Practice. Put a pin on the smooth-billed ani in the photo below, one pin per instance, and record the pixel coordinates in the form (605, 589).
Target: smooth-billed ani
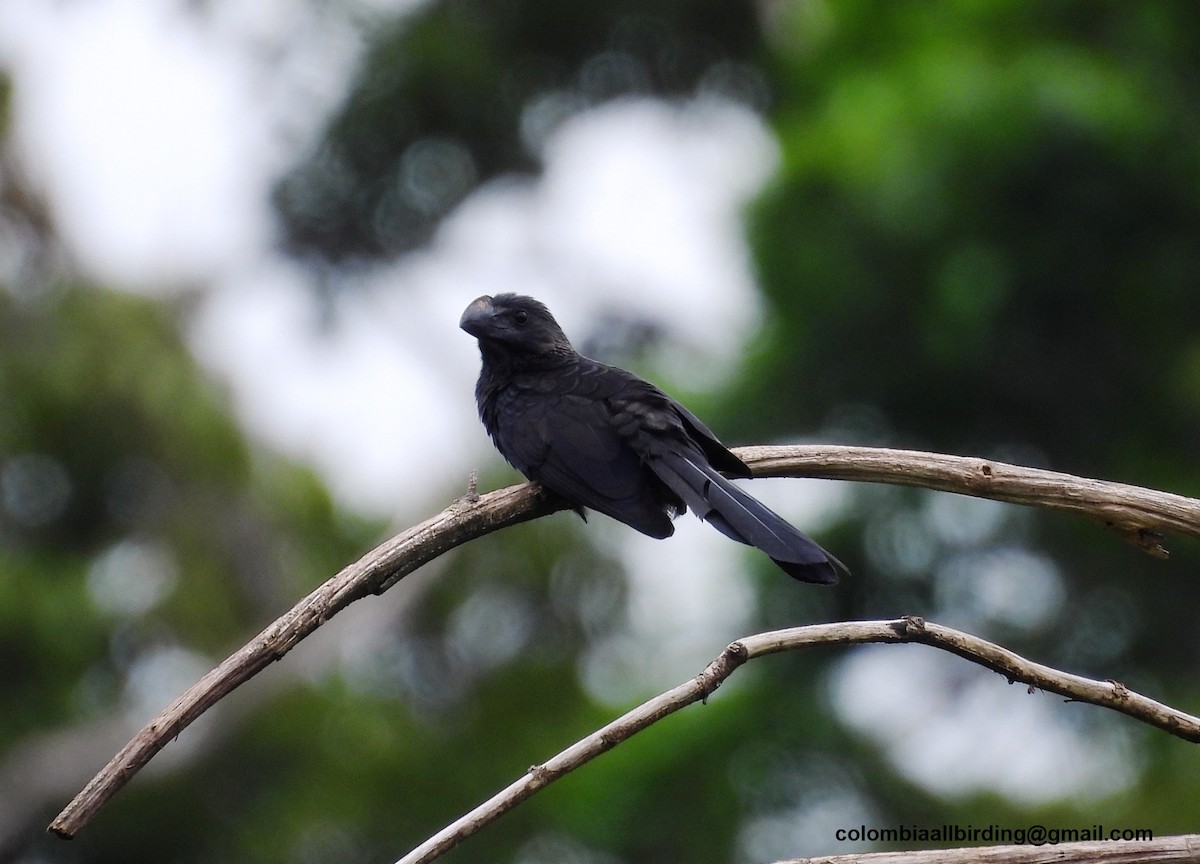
(601, 437)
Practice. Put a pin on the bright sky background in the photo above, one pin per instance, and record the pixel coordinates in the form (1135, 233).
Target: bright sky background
(155, 133)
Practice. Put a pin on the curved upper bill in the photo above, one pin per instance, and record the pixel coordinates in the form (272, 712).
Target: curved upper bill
(476, 315)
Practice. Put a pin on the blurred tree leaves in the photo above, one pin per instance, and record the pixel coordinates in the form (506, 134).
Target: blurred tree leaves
(464, 91)
(137, 527)
(993, 206)
(982, 241)
(987, 241)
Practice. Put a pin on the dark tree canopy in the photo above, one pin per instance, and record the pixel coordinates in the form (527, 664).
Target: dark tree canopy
(465, 91)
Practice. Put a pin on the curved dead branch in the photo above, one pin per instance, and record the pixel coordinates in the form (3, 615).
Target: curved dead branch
(1108, 694)
(1138, 514)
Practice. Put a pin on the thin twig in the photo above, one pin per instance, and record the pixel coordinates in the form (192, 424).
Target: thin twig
(1161, 850)
(1108, 694)
(1136, 512)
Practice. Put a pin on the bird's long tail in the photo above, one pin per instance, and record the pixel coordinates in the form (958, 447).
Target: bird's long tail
(740, 517)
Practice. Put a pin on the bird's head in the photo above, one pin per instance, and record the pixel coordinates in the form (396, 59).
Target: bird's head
(515, 325)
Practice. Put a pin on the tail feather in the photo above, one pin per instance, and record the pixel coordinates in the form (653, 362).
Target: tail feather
(745, 519)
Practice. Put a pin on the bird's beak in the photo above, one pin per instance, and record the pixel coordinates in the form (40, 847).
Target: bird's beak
(475, 317)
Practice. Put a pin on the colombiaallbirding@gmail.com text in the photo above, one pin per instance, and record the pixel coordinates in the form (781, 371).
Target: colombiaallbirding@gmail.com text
(1032, 835)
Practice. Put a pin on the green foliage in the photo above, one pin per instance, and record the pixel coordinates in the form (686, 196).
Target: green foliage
(136, 520)
(982, 242)
(449, 98)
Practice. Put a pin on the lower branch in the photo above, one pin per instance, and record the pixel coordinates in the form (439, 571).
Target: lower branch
(1182, 848)
(1108, 694)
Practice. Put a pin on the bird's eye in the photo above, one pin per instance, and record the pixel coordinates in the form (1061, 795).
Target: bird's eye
(521, 317)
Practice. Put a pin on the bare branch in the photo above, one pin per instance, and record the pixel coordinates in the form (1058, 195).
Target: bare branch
(1137, 513)
(1108, 694)
(1014, 667)
(1140, 515)
(1160, 850)
(374, 573)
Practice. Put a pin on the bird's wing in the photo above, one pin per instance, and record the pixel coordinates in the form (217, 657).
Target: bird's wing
(717, 453)
(561, 432)
(685, 456)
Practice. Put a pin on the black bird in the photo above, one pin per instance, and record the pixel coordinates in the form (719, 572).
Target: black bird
(601, 437)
